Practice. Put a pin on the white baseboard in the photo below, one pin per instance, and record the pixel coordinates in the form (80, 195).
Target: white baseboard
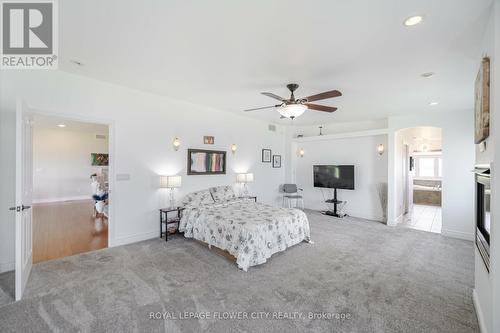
(134, 238)
(479, 312)
(74, 198)
(369, 217)
(457, 234)
(362, 214)
(7, 266)
(359, 215)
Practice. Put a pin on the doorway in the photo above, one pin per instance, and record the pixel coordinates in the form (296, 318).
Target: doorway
(420, 192)
(70, 207)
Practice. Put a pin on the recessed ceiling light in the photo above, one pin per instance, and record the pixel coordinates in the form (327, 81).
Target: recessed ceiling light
(427, 74)
(76, 62)
(413, 20)
(61, 125)
(433, 103)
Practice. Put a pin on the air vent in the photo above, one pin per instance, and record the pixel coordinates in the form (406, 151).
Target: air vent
(100, 137)
(272, 127)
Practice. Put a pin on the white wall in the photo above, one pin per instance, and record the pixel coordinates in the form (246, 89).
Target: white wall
(487, 285)
(337, 128)
(7, 182)
(142, 128)
(458, 161)
(62, 164)
(370, 169)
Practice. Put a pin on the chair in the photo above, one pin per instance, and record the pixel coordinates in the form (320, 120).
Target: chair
(290, 192)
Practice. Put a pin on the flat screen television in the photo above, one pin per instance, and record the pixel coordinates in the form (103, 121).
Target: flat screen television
(334, 176)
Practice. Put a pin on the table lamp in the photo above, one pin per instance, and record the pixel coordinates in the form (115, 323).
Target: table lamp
(171, 182)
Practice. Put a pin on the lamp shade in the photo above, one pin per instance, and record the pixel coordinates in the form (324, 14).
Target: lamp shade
(240, 178)
(292, 110)
(244, 178)
(170, 181)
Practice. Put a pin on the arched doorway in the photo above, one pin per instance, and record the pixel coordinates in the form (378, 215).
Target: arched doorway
(418, 178)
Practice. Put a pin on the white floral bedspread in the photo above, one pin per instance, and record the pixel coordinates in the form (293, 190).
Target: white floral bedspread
(248, 230)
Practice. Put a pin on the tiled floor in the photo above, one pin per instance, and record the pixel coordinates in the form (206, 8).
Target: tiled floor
(426, 218)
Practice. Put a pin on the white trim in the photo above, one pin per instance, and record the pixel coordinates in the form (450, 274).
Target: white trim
(457, 234)
(75, 198)
(134, 238)
(479, 312)
(367, 215)
(111, 182)
(7, 266)
(382, 131)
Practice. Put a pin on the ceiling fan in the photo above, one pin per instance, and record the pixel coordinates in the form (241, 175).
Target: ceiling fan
(294, 107)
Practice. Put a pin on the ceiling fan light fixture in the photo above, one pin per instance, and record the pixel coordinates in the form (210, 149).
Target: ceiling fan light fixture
(292, 110)
(294, 107)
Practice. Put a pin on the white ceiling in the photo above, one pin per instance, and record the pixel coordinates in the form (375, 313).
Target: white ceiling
(431, 137)
(50, 122)
(223, 53)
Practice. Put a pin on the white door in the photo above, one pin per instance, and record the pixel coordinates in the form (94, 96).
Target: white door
(24, 187)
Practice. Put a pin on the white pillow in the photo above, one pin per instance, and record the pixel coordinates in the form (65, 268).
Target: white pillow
(222, 193)
(198, 198)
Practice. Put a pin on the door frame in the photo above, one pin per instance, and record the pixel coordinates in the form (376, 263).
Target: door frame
(406, 179)
(392, 196)
(111, 151)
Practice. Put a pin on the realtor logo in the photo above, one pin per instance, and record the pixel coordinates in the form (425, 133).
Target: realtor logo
(29, 34)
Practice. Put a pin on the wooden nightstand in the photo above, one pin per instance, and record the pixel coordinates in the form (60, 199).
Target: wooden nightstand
(169, 221)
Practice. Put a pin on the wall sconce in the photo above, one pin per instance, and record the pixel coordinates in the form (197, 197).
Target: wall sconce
(301, 152)
(380, 149)
(176, 143)
(234, 148)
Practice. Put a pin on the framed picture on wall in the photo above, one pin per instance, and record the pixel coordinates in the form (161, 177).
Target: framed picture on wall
(276, 161)
(206, 162)
(482, 102)
(98, 159)
(266, 155)
(208, 140)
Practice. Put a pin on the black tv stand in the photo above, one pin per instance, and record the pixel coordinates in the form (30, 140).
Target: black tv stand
(335, 202)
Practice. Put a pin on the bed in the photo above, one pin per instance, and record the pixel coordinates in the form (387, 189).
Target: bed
(249, 231)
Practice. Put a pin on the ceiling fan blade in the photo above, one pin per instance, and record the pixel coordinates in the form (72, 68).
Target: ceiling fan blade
(318, 107)
(268, 94)
(264, 107)
(324, 95)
